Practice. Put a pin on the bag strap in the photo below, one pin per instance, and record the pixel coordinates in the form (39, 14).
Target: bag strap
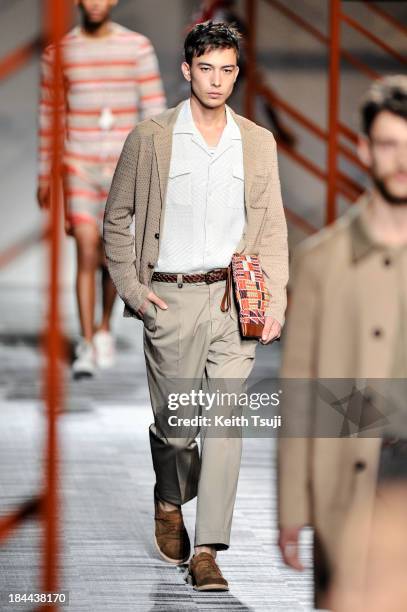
(225, 304)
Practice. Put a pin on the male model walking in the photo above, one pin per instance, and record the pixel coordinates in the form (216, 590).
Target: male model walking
(111, 81)
(348, 320)
(202, 183)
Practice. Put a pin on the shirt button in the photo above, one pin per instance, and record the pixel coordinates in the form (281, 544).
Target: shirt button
(377, 332)
(151, 266)
(387, 261)
(156, 235)
(360, 466)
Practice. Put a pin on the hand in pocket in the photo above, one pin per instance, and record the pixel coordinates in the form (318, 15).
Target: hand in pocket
(154, 299)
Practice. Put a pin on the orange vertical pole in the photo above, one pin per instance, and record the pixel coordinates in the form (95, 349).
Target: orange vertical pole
(333, 111)
(250, 45)
(55, 13)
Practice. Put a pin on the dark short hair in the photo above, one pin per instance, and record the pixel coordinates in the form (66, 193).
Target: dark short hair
(386, 94)
(207, 36)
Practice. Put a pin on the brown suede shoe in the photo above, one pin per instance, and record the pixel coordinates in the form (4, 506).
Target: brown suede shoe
(171, 537)
(205, 575)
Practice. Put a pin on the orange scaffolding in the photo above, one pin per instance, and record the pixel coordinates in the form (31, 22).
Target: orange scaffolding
(45, 504)
(337, 182)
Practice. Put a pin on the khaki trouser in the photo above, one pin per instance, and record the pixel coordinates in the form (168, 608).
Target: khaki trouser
(195, 341)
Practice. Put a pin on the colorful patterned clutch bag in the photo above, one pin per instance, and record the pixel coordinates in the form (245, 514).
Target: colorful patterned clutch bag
(251, 293)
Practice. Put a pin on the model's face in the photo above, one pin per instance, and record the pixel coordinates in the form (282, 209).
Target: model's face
(212, 76)
(96, 11)
(385, 154)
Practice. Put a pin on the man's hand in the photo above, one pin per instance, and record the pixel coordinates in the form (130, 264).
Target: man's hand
(151, 297)
(43, 194)
(271, 330)
(288, 544)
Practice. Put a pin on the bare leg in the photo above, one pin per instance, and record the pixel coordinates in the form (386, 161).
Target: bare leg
(87, 242)
(108, 292)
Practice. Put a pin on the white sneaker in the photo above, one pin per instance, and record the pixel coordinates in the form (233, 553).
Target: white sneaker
(85, 362)
(105, 349)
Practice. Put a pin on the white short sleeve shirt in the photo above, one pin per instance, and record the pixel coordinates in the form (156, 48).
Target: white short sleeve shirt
(204, 208)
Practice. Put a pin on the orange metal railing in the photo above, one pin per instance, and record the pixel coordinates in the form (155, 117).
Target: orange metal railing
(333, 109)
(21, 245)
(19, 57)
(53, 386)
(45, 505)
(337, 182)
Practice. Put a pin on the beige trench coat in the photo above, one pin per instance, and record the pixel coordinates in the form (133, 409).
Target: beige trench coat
(342, 323)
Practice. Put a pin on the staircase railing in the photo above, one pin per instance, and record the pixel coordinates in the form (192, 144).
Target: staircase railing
(337, 181)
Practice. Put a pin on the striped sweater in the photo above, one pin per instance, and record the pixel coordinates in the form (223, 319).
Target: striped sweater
(109, 85)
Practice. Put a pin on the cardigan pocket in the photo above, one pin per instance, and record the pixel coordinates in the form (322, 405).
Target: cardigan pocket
(179, 189)
(150, 316)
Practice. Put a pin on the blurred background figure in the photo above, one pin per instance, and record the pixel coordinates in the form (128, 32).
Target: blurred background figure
(227, 11)
(372, 561)
(111, 81)
(348, 320)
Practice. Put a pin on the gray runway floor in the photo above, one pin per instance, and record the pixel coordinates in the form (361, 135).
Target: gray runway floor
(108, 560)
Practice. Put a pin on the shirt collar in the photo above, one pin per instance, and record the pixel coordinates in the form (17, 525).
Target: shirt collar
(185, 123)
(362, 241)
(232, 127)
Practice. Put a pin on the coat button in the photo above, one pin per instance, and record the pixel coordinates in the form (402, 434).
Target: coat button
(156, 235)
(151, 266)
(377, 332)
(387, 261)
(360, 466)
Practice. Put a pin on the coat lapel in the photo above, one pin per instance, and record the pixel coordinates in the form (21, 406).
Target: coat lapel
(250, 152)
(163, 146)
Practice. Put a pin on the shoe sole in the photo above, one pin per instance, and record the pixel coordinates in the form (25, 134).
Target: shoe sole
(168, 559)
(207, 587)
(79, 375)
(211, 587)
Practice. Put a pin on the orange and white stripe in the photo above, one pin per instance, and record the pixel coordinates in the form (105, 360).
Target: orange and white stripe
(119, 73)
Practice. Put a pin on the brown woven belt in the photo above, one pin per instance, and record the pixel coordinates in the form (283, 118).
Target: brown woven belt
(213, 276)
